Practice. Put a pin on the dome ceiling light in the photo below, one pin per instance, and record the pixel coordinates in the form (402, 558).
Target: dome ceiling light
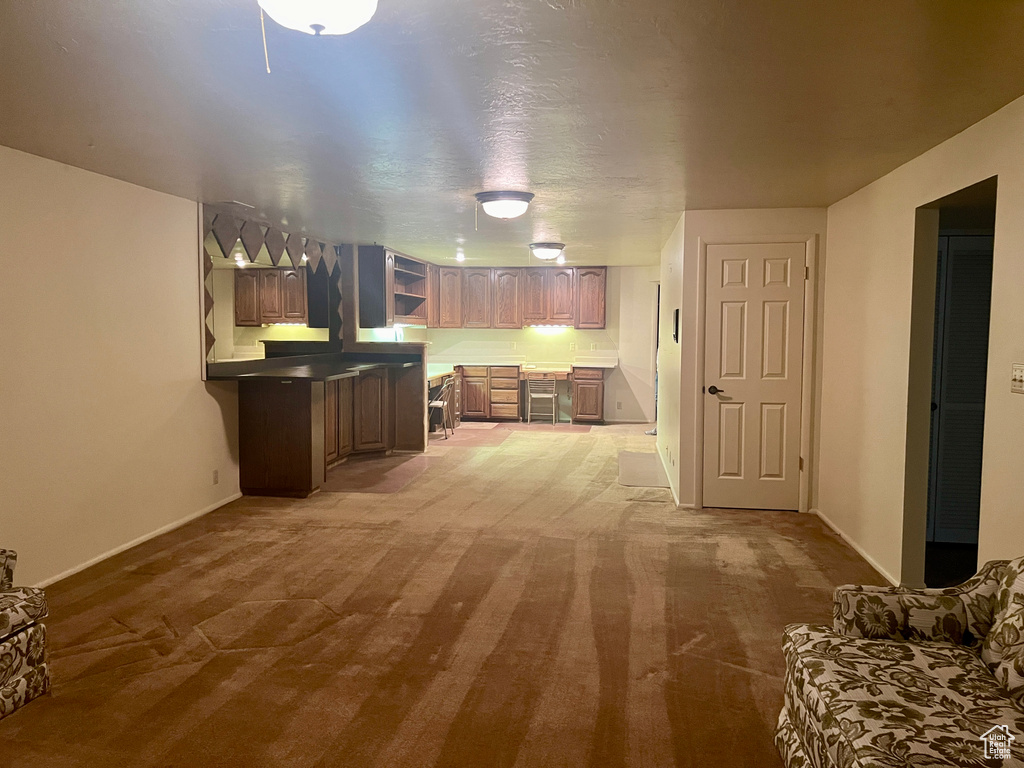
(320, 17)
(504, 205)
(548, 251)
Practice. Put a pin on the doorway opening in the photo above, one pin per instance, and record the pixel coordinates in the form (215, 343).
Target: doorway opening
(962, 308)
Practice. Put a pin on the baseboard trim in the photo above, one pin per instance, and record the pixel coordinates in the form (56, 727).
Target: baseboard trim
(627, 421)
(668, 474)
(140, 540)
(857, 547)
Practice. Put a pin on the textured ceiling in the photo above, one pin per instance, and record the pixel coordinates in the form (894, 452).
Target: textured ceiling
(617, 114)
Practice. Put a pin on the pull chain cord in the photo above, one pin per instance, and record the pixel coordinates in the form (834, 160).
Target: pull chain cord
(263, 26)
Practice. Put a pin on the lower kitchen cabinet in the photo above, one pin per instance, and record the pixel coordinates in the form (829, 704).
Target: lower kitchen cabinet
(338, 417)
(370, 404)
(475, 393)
(588, 394)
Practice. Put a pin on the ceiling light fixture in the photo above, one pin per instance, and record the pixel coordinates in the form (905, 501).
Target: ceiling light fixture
(320, 17)
(504, 205)
(459, 255)
(560, 259)
(548, 251)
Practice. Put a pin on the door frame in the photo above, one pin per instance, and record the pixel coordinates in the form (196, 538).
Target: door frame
(810, 243)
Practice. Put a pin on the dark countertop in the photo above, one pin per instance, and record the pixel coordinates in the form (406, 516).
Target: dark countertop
(328, 368)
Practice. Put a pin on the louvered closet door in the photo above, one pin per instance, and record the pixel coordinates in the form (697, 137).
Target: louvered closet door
(966, 298)
(753, 349)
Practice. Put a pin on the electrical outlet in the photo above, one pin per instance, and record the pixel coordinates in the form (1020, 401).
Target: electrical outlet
(593, 347)
(1017, 382)
(572, 346)
(512, 345)
(216, 476)
(618, 405)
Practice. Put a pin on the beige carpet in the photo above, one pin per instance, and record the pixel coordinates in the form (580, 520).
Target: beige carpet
(642, 470)
(511, 605)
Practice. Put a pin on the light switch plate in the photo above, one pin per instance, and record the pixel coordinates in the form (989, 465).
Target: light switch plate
(1017, 383)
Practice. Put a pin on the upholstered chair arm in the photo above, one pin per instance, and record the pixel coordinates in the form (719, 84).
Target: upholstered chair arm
(8, 557)
(961, 614)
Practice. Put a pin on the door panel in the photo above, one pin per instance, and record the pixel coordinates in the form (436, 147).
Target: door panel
(961, 368)
(293, 294)
(507, 305)
(270, 295)
(476, 398)
(371, 410)
(535, 295)
(476, 298)
(450, 311)
(562, 295)
(753, 353)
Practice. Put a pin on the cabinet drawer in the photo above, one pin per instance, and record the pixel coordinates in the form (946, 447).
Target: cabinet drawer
(503, 411)
(596, 374)
(505, 384)
(474, 372)
(504, 395)
(505, 372)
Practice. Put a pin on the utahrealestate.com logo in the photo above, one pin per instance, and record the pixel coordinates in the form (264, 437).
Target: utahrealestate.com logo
(997, 743)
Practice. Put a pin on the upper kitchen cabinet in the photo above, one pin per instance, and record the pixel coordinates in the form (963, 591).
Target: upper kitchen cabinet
(267, 296)
(450, 298)
(562, 296)
(507, 304)
(535, 295)
(433, 296)
(392, 288)
(476, 298)
(591, 289)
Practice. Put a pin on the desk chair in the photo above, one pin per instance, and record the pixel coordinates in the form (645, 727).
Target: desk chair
(443, 403)
(541, 387)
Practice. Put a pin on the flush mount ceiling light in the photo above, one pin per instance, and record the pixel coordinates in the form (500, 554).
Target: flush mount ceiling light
(504, 205)
(547, 251)
(320, 17)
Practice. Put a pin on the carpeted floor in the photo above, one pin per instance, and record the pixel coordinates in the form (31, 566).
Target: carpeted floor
(510, 605)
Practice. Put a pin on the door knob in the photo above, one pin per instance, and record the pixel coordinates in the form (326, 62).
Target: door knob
(713, 390)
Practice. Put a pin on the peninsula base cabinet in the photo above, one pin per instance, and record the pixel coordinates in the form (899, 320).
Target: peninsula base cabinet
(339, 434)
(588, 394)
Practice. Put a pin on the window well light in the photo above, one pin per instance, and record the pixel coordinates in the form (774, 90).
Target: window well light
(320, 17)
(504, 205)
(548, 251)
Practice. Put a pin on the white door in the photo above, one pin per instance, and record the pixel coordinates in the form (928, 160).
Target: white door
(752, 375)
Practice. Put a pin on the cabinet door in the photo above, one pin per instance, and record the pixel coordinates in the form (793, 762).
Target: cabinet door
(590, 297)
(507, 304)
(456, 400)
(271, 304)
(475, 399)
(330, 422)
(293, 294)
(476, 297)
(561, 295)
(247, 297)
(370, 404)
(389, 289)
(450, 312)
(535, 295)
(433, 296)
(588, 401)
(346, 433)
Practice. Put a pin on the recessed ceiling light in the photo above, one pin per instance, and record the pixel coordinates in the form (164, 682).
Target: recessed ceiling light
(547, 251)
(504, 205)
(320, 17)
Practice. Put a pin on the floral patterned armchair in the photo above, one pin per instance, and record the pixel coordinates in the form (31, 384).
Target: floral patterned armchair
(24, 674)
(908, 677)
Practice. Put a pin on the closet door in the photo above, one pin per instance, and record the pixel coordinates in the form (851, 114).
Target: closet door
(961, 367)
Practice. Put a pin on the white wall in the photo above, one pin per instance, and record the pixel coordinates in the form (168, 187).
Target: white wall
(108, 433)
(629, 335)
(867, 344)
(680, 429)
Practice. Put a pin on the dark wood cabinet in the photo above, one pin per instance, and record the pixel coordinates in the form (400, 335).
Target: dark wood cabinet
(338, 417)
(507, 303)
(433, 296)
(591, 289)
(392, 288)
(371, 409)
(450, 299)
(562, 296)
(535, 295)
(588, 394)
(265, 296)
(475, 393)
(476, 298)
(503, 387)
(456, 399)
(247, 298)
(271, 299)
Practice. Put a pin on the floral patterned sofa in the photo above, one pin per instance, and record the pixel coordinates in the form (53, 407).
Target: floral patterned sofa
(24, 674)
(908, 677)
